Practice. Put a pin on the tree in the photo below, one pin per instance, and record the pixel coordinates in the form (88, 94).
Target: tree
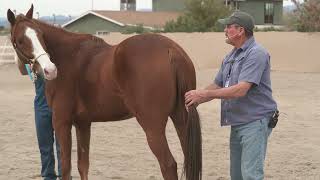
(199, 16)
(307, 15)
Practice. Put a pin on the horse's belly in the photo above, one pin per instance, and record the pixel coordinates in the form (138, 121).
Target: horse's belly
(102, 109)
(105, 114)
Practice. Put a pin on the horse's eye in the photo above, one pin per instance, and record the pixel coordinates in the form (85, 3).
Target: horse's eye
(20, 41)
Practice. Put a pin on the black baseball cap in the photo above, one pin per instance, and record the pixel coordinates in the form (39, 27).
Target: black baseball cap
(243, 19)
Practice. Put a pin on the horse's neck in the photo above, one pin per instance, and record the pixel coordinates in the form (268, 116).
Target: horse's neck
(56, 39)
(61, 43)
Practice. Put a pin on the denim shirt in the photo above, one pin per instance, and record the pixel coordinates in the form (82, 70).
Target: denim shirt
(40, 101)
(249, 63)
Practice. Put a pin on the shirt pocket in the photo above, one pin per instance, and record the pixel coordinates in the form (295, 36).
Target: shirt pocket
(225, 72)
(236, 69)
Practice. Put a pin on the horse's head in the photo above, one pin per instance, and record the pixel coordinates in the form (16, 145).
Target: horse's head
(29, 44)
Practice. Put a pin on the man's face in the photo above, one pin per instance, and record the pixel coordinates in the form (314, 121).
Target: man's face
(233, 33)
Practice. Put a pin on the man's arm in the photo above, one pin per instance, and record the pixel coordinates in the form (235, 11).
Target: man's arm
(199, 96)
(212, 86)
(235, 91)
(216, 92)
(22, 68)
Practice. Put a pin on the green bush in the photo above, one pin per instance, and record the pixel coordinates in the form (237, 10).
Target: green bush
(290, 21)
(199, 16)
(139, 29)
(306, 18)
(271, 28)
(4, 31)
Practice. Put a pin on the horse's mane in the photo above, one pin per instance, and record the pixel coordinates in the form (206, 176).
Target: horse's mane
(94, 41)
(88, 38)
(21, 17)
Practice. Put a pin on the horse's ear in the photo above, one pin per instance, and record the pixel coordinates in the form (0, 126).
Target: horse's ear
(30, 12)
(11, 17)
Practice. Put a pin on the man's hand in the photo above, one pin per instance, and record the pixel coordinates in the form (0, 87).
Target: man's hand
(196, 97)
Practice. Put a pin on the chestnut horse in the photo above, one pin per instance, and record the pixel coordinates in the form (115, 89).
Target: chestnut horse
(88, 80)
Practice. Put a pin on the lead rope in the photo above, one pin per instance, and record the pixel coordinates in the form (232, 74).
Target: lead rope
(33, 76)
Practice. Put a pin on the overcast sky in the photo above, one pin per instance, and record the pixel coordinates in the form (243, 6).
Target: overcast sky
(59, 7)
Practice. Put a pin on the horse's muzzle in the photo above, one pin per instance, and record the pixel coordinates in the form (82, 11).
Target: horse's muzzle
(50, 73)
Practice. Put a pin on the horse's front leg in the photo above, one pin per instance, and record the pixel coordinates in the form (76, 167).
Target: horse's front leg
(83, 144)
(62, 124)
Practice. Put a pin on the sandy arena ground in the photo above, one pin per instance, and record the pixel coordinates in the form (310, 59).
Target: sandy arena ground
(119, 150)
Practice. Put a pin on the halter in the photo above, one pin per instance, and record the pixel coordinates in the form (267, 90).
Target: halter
(30, 61)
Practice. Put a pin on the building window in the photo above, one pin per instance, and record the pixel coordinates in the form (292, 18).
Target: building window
(128, 5)
(102, 33)
(234, 4)
(268, 13)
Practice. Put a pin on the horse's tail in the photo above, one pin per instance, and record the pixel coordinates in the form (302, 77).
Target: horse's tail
(186, 80)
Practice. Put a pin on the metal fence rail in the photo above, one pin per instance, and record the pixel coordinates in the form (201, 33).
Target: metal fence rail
(7, 53)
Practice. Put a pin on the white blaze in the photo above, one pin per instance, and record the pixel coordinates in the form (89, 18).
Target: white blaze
(48, 68)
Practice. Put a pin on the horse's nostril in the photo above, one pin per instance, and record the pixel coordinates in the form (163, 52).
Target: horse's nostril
(46, 72)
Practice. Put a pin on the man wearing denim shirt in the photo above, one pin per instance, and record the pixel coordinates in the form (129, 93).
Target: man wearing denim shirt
(244, 86)
(44, 127)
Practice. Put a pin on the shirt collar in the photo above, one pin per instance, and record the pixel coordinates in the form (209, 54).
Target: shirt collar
(235, 52)
(247, 43)
(244, 47)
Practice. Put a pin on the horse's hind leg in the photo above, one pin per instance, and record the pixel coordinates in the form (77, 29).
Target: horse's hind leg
(83, 144)
(180, 126)
(155, 132)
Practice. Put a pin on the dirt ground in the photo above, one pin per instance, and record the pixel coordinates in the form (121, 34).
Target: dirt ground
(119, 150)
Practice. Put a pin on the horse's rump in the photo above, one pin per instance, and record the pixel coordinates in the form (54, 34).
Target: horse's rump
(145, 65)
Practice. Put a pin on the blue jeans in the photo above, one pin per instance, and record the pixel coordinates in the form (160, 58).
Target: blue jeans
(248, 145)
(45, 134)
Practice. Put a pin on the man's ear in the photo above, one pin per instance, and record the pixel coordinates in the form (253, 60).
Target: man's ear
(11, 17)
(242, 31)
(30, 12)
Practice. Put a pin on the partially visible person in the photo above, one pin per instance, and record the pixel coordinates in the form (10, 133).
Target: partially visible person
(44, 127)
(244, 86)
